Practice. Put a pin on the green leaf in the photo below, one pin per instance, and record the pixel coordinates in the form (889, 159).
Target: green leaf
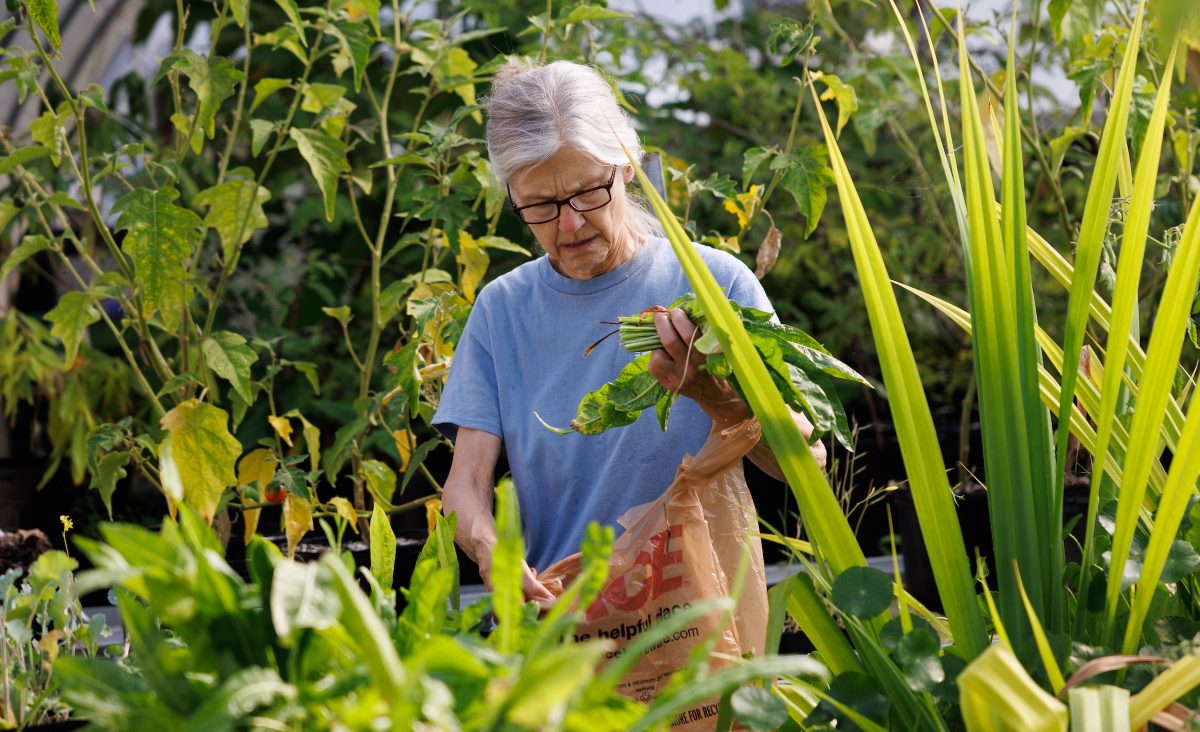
(302, 596)
(1058, 11)
(30, 245)
(265, 87)
(356, 41)
(620, 401)
(233, 704)
(260, 132)
(107, 472)
(198, 455)
(997, 693)
(45, 14)
(72, 315)
(317, 97)
(383, 547)
(917, 656)
(367, 631)
(757, 708)
(230, 358)
(584, 13)
(751, 160)
(339, 451)
(326, 158)
(159, 241)
(806, 176)
(407, 376)
(47, 131)
(341, 314)
(235, 210)
(381, 480)
(239, 8)
(8, 212)
(507, 556)
(20, 156)
(862, 592)
(213, 79)
(293, 14)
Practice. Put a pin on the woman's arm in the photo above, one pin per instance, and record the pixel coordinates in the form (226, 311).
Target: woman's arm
(676, 366)
(468, 492)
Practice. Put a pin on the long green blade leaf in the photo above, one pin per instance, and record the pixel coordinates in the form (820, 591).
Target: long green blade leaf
(1162, 356)
(1093, 228)
(1125, 294)
(914, 424)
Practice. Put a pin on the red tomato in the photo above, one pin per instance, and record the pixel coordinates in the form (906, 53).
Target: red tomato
(276, 494)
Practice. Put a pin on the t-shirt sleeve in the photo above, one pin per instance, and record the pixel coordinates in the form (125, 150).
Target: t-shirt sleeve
(471, 395)
(743, 287)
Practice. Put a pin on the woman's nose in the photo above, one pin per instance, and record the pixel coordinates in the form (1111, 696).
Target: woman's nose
(569, 219)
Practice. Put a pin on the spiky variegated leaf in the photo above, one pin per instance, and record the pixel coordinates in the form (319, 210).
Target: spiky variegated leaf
(235, 210)
(198, 455)
(230, 358)
(213, 79)
(159, 240)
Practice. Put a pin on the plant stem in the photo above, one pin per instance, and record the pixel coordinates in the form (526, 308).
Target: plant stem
(231, 265)
(241, 103)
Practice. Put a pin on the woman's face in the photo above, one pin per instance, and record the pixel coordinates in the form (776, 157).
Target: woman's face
(579, 245)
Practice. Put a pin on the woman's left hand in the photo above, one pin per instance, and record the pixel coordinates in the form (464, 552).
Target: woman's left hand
(677, 367)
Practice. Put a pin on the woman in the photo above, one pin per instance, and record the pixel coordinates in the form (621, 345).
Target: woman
(557, 137)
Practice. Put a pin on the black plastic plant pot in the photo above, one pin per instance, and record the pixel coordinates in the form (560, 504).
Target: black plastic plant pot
(18, 483)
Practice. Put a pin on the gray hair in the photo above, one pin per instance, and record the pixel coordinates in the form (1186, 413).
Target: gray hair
(536, 110)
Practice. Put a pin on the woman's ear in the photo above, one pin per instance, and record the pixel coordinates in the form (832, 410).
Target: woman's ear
(627, 174)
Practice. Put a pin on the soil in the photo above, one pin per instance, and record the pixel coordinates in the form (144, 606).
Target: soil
(19, 549)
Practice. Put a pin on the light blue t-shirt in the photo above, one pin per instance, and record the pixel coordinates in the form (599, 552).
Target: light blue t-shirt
(522, 351)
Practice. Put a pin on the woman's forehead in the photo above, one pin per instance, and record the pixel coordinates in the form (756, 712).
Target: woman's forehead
(564, 172)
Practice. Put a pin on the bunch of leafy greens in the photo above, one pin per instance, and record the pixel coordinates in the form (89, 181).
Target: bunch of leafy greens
(803, 370)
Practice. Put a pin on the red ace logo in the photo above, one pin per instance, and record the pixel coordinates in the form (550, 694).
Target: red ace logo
(624, 593)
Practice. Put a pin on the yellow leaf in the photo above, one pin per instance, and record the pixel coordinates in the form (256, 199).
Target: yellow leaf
(312, 438)
(283, 428)
(434, 371)
(743, 204)
(198, 455)
(49, 646)
(458, 63)
(297, 521)
(433, 509)
(404, 446)
(474, 261)
(345, 509)
(256, 465)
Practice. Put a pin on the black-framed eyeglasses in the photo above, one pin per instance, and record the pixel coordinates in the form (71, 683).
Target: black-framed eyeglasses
(588, 199)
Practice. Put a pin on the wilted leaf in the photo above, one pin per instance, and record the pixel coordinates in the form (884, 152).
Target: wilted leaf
(202, 454)
(312, 439)
(404, 446)
(743, 205)
(768, 252)
(326, 158)
(230, 358)
(159, 241)
(235, 210)
(72, 315)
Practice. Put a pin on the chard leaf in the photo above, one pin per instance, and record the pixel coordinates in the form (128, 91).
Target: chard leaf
(621, 401)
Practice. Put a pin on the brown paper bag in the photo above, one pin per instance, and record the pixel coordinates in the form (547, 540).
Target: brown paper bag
(683, 547)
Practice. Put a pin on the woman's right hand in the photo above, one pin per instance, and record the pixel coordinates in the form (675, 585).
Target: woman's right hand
(530, 585)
